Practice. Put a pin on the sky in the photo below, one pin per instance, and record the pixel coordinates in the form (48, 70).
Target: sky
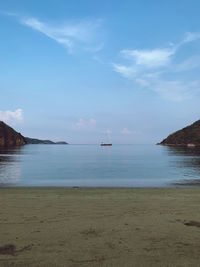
(78, 70)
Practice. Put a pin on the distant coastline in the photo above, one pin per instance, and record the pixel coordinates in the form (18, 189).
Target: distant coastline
(9, 138)
(45, 142)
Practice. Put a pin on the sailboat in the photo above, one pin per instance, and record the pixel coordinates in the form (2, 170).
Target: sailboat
(107, 143)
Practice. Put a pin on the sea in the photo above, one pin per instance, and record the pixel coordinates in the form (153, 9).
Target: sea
(97, 166)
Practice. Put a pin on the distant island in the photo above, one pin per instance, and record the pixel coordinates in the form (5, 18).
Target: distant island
(188, 136)
(9, 137)
(29, 140)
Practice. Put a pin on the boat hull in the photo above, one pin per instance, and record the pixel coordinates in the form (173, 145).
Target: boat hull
(106, 144)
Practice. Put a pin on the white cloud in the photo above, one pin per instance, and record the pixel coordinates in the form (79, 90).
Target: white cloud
(126, 71)
(155, 69)
(71, 34)
(149, 58)
(11, 116)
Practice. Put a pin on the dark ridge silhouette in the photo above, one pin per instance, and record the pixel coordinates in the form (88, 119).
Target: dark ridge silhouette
(188, 136)
(9, 138)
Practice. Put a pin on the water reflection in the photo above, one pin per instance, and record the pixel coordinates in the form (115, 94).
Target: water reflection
(10, 169)
(183, 151)
(188, 160)
(121, 165)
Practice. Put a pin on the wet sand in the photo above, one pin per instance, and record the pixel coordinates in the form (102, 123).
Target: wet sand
(99, 227)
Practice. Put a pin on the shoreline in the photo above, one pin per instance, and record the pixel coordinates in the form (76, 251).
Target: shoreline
(52, 226)
(184, 183)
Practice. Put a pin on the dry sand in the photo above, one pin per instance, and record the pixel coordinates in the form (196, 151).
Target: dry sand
(99, 227)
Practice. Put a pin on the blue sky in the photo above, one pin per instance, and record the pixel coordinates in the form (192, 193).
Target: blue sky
(74, 70)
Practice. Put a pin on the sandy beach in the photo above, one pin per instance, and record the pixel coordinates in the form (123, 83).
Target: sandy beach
(99, 227)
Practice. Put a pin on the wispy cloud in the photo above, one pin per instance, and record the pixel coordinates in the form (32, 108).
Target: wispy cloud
(108, 131)
(188, 64)
(9, 116)
(154, 69)
(190, 37)
(149, 58)
(82, 33)
(126, 131)
(8, 13)
(83, 124)
(85, 34)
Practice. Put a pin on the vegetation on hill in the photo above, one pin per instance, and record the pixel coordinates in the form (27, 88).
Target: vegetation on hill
(189, 135)
(46, 142)
(9, 137)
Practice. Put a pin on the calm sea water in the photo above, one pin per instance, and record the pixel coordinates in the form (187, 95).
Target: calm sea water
(93, 165)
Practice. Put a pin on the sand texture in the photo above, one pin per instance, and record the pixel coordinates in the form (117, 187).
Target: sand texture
(99, 227)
